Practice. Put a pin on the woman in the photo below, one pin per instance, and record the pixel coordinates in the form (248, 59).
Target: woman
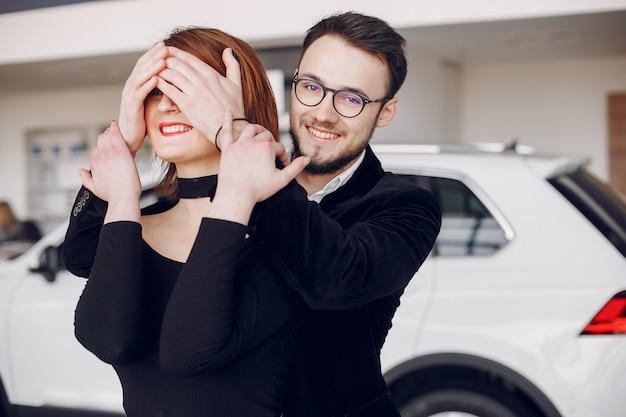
(12, 229)
(179, 300)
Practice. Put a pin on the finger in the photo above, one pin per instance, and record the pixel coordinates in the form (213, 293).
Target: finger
(233, 71)
(111, 140)
(157, 50)
(281, 154)
(101, 140)
(175, 85)
(187, 63)
(179, 74)
(116, 136)
(114, 128)
(86, 179)
(145, 89)
(293, 169)
(147, 66)
(257, 132)
(173, 92)
(183, 56)
(105, 138)
(155, 55)
(166, 86)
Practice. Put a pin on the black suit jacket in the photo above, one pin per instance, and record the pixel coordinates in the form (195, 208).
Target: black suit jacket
(350, 257)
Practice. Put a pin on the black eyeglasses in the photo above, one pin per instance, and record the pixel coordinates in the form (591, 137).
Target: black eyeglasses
(347, 103)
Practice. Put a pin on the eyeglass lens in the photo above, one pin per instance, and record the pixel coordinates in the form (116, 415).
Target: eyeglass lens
(347, 103)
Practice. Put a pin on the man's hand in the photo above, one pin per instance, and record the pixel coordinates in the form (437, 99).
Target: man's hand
(139, 84)
(199, 90)
(248, 172)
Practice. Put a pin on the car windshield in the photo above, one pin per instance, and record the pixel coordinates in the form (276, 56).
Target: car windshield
(598, 202)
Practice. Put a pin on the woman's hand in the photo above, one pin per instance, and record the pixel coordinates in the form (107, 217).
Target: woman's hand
(139, 84)
(113, 176)
(248, 173)
(199, 90)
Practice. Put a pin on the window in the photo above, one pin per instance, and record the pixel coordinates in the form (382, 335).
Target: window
(467, 226)
(598, 202)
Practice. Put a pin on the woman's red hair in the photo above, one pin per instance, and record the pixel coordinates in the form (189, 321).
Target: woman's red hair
(259, 103)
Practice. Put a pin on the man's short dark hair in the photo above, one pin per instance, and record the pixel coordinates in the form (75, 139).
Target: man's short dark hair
(369, 34)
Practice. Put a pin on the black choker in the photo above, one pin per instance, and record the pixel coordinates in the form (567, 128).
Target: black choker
(197, 187)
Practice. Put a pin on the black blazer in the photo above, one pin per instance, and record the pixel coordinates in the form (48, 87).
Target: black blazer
(349, 257)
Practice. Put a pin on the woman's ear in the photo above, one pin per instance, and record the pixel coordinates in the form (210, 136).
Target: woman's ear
(387, 112)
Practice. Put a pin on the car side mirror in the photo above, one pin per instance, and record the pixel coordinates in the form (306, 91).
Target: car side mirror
(50, 262)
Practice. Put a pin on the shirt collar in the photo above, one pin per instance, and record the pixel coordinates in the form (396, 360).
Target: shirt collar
(338, 181)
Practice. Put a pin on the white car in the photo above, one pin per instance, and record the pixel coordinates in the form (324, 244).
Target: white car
(521, 308)
(520, 311)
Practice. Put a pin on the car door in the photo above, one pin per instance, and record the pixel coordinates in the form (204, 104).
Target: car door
(48, 367)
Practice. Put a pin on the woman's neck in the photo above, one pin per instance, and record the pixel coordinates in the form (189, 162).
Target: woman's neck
(192, 208)
(199, 187)
(200, 167)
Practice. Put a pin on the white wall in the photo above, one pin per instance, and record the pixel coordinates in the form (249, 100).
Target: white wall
(554, 106)
(24, 112)
(421, 99)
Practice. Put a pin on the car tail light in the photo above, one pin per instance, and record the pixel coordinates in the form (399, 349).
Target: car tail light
(611, 319)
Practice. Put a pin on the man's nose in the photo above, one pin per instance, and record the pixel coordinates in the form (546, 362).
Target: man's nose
(325, 111)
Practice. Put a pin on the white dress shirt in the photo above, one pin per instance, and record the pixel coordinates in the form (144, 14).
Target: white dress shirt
(337, 182)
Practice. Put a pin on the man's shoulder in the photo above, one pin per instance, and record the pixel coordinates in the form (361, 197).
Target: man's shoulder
(400, 190)
(399, 183)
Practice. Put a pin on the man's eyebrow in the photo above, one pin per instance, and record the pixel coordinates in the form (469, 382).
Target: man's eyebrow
(344, 88)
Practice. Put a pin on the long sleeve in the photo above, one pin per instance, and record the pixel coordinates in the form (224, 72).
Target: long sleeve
(83, 232)
(110, 314)
(357, 246)
(225, 302)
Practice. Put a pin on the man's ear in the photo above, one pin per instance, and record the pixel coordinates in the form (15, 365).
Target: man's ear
(387, 113)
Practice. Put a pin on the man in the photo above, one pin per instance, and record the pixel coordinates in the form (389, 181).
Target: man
(346, 236)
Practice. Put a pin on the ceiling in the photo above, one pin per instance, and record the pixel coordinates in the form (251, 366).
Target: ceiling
(559, 37)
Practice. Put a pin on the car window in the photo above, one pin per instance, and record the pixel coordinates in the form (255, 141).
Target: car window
(598, 202)
(467, 226)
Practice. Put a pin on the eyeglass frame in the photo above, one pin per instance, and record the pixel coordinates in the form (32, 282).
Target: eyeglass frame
(295, 80)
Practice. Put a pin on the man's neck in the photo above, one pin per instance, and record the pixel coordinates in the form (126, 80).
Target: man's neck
(312, 183)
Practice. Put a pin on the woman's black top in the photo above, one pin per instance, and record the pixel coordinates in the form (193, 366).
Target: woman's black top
(210, 337)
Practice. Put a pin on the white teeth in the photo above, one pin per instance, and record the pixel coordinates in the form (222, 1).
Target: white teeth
(322, 135)
(175, 129)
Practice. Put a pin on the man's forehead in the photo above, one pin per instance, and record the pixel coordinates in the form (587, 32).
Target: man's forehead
(337, 64)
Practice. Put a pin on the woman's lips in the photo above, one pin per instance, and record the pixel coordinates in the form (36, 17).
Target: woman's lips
(170, 129)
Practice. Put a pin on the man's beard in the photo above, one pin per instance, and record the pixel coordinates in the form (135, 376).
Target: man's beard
(332, 166)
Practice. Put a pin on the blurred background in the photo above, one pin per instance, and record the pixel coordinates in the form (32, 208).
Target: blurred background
(548, 74)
